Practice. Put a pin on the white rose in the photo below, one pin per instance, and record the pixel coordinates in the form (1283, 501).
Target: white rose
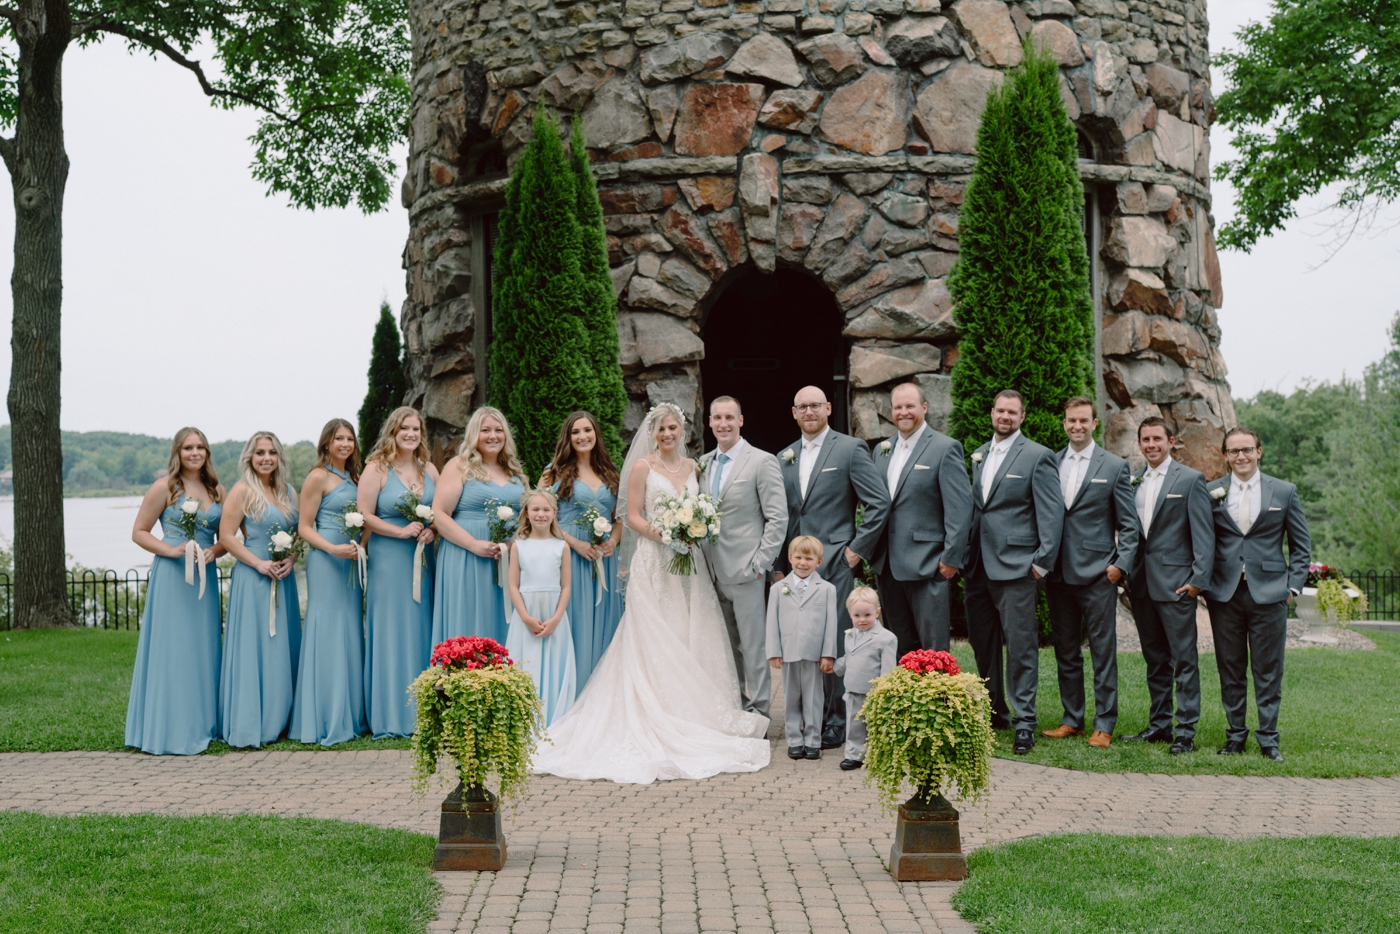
(353, 520)
(281, 541)
(505, 513)
(424, 512)
(189, 507)
(977, 457)
(666, 536)
(685, 515)
(787, 456)
(601, 526)
(1218, 493)
(697, 529)
(707, 508)
(884, 447)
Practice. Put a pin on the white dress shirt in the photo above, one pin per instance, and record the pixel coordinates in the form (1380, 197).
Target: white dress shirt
(995, 455)
(1147, 492)
(722, 470)
(808, 459)
(903, 450)
(1244, 501)
(1072, 470)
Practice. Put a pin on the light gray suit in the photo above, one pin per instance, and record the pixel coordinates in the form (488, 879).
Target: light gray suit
(1248, 601)
(755, 522)
(1018, 525)
(869, 655)
(929, 522)
(802, 631)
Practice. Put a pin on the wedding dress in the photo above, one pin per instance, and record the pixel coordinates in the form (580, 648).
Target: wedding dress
(664, 701)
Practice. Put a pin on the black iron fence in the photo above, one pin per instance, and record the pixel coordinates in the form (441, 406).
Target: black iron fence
(1382, 589)
(106, 599)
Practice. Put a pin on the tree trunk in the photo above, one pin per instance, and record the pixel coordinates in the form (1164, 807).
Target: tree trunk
(38, 167)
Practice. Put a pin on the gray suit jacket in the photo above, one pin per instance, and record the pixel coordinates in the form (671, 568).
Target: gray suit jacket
(842, 477)
(1259, 553)
(931, 510)
(1101, 523)
(802, 627)
(868, 656)
(1179, 548)
(1020, 523)
(754, 504)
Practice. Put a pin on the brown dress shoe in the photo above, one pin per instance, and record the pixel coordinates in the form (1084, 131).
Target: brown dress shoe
(1062, 731)
(1100, 739)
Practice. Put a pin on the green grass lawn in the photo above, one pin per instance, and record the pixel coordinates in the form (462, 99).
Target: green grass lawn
(211, 875)
(1183, 885)
(1340, 718)
(67, 689)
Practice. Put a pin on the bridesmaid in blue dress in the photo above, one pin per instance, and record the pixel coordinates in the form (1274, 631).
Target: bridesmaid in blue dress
(174, 705)
(261, 642)
(398, 628)
(330, 702)
(486, 472)
(582, 475)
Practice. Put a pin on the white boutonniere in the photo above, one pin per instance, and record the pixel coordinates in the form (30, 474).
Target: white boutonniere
(1134, 481)
(1220, 492)
(787, 456)
(977, 457)
(787, 591)
(851, 632)
(884, 448)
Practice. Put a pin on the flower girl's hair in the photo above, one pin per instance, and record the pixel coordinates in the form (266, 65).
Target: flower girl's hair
(254, 501)
(323, 448)
(207, 475)
(473, 467)
(523, 529)
(386, 449)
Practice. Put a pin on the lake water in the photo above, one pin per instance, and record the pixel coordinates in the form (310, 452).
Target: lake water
(97, 531)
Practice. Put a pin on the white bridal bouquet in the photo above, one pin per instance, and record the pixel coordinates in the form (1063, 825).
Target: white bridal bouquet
(190, 522)
(352, 526)
(596, 528)
(685, 522)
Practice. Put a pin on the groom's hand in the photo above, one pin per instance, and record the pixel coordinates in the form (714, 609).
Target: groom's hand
(852, 558)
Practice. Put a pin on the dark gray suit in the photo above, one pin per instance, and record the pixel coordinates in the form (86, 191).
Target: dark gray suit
(1248, 601)
(1177, 549)
(1016, 526)
(1101, 529)
(929, 522)
(842, 478)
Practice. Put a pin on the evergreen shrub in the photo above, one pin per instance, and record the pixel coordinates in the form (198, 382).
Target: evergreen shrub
(387, 383)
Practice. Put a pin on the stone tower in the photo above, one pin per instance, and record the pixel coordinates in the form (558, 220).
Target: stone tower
(781, 182)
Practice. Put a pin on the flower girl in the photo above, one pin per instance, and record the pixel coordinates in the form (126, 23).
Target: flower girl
(538, 636)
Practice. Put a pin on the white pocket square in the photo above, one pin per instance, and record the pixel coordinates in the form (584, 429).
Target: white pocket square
(1275, 509)
(829, 469)
(1173, 496)
(921, 467)
(1014, 476)
(1098, 481)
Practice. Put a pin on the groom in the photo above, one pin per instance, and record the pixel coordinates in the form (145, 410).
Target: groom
(749, 486)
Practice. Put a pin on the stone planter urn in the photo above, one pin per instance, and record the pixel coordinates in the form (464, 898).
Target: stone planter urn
(469, 835)
(927, 846)
(1318, 625)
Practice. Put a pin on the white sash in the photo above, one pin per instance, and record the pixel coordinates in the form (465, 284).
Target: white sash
(194, 558)
(418, 573)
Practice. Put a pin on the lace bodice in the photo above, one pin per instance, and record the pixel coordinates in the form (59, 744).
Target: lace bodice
(659, 487)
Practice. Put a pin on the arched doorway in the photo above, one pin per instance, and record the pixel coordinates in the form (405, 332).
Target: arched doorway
(767, 336)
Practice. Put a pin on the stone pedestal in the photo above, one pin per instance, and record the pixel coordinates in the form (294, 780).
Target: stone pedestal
(927, 847)
(469, 836)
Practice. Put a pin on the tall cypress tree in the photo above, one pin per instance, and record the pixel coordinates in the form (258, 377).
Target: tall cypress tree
(539, 365)
(387, 383)
(1021, 283)
(599, 304)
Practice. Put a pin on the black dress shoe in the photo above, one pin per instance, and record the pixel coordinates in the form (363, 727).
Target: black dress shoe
(796, 752)
(1000, 723)
(850, 765)
(833, 740)
(1271, 752)
(813, 752)
(1151, 736)
(1181, 746)
(1232, 747)
(1025, 742)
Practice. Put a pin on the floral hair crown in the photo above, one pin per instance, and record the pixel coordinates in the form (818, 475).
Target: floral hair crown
(670, 407)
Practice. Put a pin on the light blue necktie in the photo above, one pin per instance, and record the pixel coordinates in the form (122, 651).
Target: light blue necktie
(720, 461)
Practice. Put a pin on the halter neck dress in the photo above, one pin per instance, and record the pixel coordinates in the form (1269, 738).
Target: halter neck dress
(594, 620)
(470, 601)
(548, 659)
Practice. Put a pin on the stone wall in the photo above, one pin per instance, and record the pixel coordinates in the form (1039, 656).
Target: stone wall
(833, 136)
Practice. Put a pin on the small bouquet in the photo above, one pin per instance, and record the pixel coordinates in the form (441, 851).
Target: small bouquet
(352, 526)
(281, 545)
(683, 523)
(597, 529)
(502, 522)
(411, 506)
(190, 522)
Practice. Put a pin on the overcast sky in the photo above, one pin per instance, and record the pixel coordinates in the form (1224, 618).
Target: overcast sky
(191, 297)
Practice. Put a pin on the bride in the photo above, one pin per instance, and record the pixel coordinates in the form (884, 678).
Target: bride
(663, 702)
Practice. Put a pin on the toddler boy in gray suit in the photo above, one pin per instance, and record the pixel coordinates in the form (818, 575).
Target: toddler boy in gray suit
(870, 653)
(802, 642)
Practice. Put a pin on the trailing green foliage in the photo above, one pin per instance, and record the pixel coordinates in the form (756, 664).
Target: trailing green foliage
(1021, 283)
(1335, 597)
(930, 729)
(387, 383)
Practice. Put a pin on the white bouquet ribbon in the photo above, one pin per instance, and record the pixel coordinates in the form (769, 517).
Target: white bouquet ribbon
(418, 573)
(272, 610)
(602, 580)
(361, 562)
(194, 558)
(503, 571)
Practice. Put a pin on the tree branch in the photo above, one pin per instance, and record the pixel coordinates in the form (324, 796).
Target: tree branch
(7, 152)
(10, 13)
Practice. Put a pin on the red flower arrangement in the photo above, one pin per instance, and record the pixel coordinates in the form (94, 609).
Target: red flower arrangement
(925, 661)
(470, 653)
(1322, 572)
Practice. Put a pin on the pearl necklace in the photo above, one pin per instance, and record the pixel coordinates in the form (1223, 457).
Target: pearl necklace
(663, 466)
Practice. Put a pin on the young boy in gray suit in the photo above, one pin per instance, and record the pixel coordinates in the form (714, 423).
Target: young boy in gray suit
(870, 653)
(802, 642)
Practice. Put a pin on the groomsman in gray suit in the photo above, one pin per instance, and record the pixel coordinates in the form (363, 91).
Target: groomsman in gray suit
(1018, 514)
(1251, 587)
(827, 474)
(1097, 550)
(1174, 565)
(749, 486)
(925, 540)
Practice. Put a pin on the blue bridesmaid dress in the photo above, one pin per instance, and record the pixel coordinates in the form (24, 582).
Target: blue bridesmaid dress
(548, 659)
(174, 706)
(330, 704)
(398, 631)
(470, 602)
(259, 673)
(594, 621)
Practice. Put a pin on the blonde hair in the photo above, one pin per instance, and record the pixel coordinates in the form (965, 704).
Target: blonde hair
(255, 501)
(863, 595)
(386, 448)
(175, 486)
(323, 448)
(473, 467)
(524, 529)
(806, 545)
